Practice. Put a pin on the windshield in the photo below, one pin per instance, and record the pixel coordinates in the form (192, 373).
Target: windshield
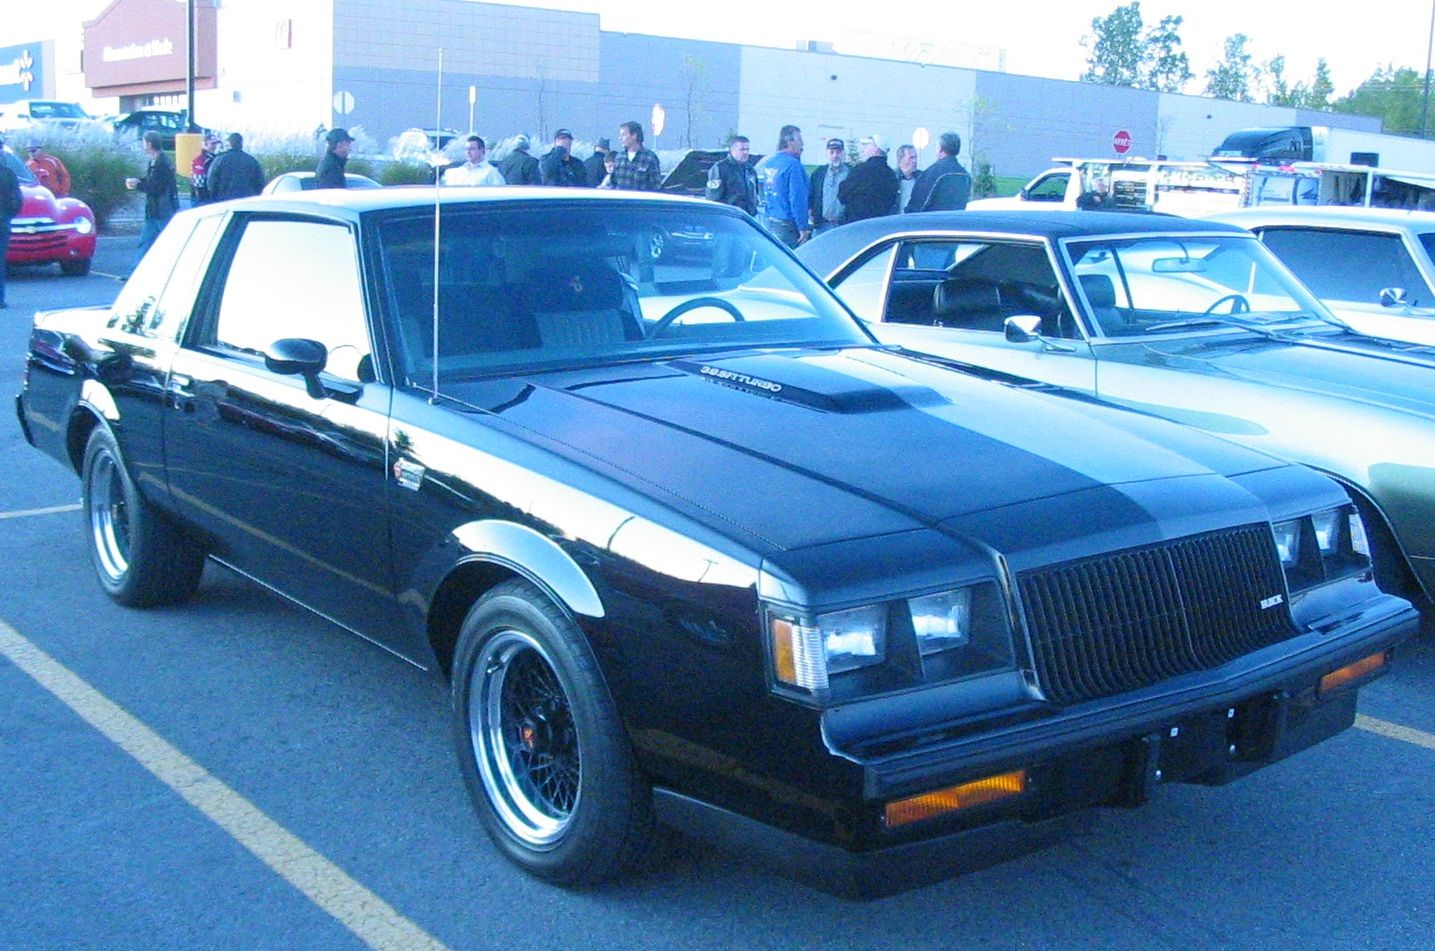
(56, 110)
(557, 284)
(1170, 283)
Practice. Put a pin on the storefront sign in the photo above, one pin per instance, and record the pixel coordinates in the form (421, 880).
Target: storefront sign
(21, 72)
(139, 46)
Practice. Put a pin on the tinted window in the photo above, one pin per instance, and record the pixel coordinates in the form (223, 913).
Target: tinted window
(177, 300)
(136, 307)
(1347, 265)
(1049, 188)
(295, 279)
(567, 283)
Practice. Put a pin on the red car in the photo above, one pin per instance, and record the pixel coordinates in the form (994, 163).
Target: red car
(50, 229)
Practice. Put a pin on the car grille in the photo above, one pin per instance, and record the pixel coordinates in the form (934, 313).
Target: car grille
(1123, 621)
(45, 241)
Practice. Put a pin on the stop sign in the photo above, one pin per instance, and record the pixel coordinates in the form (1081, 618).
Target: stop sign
(1121, 142)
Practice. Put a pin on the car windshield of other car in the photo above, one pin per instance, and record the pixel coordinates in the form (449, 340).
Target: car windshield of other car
(21, 170)
(56, 110)
(563, 284)
(1168, 283)
(1349, 265)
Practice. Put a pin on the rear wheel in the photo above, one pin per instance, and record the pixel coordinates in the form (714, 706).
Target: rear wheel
(543, 751)
(141, 558)
(75, 268)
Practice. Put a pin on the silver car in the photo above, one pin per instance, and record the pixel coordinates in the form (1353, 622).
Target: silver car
(1191, 320)
(1371, 266)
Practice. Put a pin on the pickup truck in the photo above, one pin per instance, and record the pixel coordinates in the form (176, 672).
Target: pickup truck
(1181, 188)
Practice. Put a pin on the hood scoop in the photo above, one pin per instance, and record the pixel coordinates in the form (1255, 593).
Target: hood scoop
(811, 384)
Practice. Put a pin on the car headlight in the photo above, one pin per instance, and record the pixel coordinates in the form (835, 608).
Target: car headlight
(84, 225)
(1321, 547)
(872, 649)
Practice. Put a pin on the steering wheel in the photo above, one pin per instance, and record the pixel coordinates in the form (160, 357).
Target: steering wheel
(1239, 305)
(667, 319)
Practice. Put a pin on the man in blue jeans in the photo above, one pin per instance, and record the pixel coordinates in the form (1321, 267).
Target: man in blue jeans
(785, 190)
(161, 194)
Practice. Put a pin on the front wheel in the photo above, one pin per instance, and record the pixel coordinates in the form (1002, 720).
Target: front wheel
(141, 558)
(543, 752)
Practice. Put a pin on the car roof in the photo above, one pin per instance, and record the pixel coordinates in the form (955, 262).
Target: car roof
(353, 202)
(829, 250)
(1334, 215)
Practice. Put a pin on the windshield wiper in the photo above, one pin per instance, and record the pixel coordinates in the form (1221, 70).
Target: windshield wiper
(1212, 320)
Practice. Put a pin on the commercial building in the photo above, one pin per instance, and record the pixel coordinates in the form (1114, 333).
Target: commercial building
(279, 70)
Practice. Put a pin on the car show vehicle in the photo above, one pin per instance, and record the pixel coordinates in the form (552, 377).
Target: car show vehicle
(1191, 320)
(44, 117)
(286, 182)
(689, 546)
(131, 126)
(1371, 266)
(1127, 184)
(49, 230)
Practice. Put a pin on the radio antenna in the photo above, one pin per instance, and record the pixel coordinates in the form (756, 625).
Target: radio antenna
(437, 125)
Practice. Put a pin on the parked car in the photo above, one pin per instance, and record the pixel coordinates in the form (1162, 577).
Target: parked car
(1371, 266)
(44, 117)
(304, 181)
(1191, 320)
(167, 122)
(49, 230)
(691, 548)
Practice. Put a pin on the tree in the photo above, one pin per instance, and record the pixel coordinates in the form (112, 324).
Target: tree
(1164, 66)
(693, 75)
(1124, 53)
(1392, 94)
(1115, 45)
(1233, 77)
(1279, 91)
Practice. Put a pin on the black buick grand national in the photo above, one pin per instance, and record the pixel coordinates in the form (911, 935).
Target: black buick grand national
(690, 547)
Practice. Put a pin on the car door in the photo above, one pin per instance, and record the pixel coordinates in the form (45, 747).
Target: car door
(950, 296)
(287, 475)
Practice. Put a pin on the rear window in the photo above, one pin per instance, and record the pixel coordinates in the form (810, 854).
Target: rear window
(1348, 265)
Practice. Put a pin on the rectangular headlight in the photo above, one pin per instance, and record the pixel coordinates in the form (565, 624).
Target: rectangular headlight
(942, 621)
(1327, 530)
(1288, 542)
(807, 655)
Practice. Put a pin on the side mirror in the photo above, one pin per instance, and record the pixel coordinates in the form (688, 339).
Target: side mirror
(297, 356)
(1023, 328)
(1392, 297)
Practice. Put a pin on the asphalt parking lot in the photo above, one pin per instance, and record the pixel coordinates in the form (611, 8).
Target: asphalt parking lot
(237, 773)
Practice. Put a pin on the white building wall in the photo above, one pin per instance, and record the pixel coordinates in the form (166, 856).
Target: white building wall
(1189, 127)
(276, 70)
(849, 97)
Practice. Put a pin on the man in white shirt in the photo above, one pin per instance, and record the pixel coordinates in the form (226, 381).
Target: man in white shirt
(475, 171)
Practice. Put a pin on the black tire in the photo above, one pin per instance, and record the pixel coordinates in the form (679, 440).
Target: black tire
(141, 558)
(543, 752)
(75, 268)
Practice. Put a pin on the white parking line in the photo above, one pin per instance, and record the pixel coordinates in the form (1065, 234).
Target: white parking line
(1395, 731)
(371, 919)
(52, 510)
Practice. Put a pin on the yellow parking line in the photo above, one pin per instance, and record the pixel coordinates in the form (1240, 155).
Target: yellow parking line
(1395, 731)
(52, 510)
(365, 914)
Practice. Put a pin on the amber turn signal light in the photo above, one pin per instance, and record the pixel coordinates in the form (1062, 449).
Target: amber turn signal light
(978, 792)
(1343, 676)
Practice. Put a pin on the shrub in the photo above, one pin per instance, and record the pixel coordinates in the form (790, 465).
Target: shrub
(403, 173)
(98, 170)
(985, 184)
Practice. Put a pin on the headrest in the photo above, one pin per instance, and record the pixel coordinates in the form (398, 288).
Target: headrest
(565, 285)
(1099, 290)
(965, 295)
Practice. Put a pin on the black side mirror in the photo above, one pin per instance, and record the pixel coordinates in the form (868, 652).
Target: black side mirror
(297, 356)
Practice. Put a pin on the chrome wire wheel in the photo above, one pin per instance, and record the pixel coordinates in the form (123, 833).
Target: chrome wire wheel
(109, 517)
(524, 739)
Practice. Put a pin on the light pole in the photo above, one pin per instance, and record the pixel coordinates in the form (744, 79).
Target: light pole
(1425, 99)
(189, 64)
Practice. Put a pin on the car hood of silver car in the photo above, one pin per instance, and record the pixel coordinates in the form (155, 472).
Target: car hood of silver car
(780, 435)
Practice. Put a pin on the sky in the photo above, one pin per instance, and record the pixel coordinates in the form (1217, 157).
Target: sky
(1044, 38)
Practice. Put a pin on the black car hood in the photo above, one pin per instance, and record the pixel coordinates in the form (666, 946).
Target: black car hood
(803, 448)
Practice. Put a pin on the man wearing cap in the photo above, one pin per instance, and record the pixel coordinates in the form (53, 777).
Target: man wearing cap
(476, 170)
(330, 172)
(871, 189)
(518, 167)
(784, 189)
(825, 209)
(593, 164)
(732, 180)
(235, 173)
(199, 170)
(48, 169)
(559, 167)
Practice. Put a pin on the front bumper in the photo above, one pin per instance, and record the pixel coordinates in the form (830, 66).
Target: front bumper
(1207, 730)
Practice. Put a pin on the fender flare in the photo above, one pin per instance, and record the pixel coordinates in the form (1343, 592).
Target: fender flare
(533, 555)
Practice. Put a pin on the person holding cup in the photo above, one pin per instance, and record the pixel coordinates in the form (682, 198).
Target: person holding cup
(160, 190)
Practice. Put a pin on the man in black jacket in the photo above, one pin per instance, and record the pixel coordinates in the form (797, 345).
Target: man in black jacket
(871, 190)
(593, 164)
(330, 173)
(732, 179)
(161, 193)
(11, 201)
(559, 167)
(235, 173)
(518, 167)
(944, 185)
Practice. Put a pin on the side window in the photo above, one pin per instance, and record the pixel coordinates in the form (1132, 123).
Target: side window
(865, 289)
(1348, 265)
(296, 279)
(136, 308)
(1049, 188)
(177, 301)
